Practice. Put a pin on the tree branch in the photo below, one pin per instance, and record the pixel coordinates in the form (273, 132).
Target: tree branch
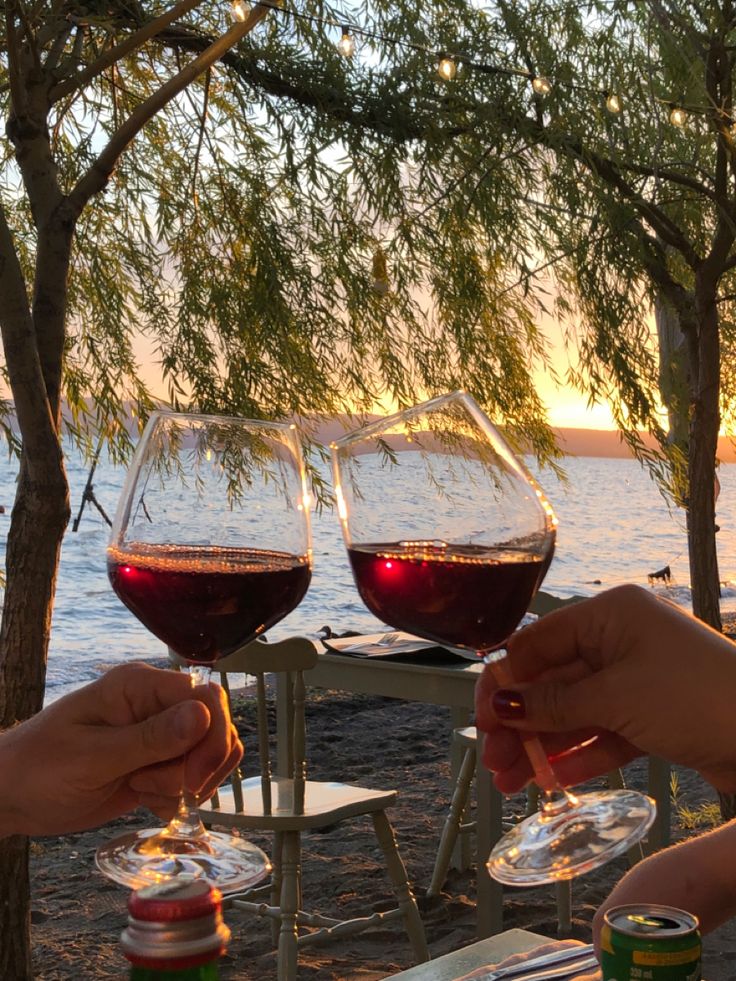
(126, 47)
(29, 33)
(21, 356)
(398, 123)
(99, 173)
(57, 48)
(608, 171)
(15, 74)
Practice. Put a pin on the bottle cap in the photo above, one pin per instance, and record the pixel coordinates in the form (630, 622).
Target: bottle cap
(175, 899)
(175, 924)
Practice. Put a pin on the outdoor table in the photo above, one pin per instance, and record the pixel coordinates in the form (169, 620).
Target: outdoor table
(457, 964)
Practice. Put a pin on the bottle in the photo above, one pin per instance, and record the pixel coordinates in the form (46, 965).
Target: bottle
(175, 932)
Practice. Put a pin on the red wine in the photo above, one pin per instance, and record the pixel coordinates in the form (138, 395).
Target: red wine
(465, 596)
(206, 602)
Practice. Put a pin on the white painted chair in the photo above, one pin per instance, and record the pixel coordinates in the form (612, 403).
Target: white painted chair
(288, 804)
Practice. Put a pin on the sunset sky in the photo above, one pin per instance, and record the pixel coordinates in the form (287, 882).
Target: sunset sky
(566, 407)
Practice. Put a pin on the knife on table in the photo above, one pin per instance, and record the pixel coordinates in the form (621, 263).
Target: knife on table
(557, 965)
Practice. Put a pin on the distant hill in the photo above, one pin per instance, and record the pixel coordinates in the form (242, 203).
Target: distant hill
(573, 442)
(608, 443)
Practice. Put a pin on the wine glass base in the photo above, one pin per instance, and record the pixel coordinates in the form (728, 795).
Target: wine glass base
(596, 828)
(141, 858)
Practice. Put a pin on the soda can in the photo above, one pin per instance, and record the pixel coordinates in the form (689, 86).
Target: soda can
(644, 942)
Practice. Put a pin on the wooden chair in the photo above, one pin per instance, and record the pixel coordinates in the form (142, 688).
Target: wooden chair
(287, 804)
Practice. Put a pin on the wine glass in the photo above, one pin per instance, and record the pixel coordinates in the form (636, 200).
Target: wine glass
(210, 547)
(449, 537)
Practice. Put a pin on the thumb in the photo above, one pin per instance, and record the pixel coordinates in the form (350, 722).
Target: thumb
(164, 736)
(553, 707)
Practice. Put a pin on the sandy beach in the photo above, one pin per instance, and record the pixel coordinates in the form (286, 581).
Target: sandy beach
(77, 915)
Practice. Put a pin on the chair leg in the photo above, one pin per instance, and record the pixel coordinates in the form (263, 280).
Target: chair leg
(563, 893)
(397, 873)
(276, 879)
(289, 903)
(636, 852)
(453, 821)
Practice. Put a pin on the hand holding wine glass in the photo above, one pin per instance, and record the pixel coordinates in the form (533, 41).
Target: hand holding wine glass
(210, 547)
(449, 537)
(608, 679)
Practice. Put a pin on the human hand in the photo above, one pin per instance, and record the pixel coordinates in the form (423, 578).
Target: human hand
(133, 737)
(608, 679)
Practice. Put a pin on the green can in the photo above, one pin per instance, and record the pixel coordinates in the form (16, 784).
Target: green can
(644, 942)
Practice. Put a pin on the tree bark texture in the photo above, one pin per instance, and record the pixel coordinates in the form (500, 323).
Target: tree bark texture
(15, 951)
(704, 426)
(38, 521)
(40, 515)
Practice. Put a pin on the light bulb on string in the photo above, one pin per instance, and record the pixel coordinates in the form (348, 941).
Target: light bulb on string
(613, 103)
(541, 85)
(447, 68)
(346, 44)
(678, 115)
(239, 11)
(379, 269)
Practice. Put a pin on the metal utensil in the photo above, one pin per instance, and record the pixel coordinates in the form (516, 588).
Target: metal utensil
(558, 964)
(387, 640)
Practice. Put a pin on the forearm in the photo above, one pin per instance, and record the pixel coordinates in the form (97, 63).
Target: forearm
(698, 875)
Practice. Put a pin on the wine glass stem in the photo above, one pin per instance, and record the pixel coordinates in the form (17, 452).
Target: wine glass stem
(556, 798)
(186, 822)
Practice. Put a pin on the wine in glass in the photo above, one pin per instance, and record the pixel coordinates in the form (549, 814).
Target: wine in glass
(449, 537)
(210, 547)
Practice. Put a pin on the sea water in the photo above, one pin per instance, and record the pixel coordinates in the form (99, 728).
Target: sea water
(614, 527)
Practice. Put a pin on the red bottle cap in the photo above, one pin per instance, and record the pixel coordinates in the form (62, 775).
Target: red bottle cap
(175, 924)
(175, 899)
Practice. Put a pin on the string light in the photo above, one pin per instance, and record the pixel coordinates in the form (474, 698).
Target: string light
(447, 68)
(678, 115)
(447, 64)
(379, 269)
(346, 44)
(239, 11)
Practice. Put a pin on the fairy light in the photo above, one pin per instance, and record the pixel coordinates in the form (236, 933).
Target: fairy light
(239, 11)
(678, 115)
(447, 68)
(346, 44)
(447, 65)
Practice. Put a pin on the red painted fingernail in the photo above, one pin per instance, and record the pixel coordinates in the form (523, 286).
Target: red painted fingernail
(509, 704)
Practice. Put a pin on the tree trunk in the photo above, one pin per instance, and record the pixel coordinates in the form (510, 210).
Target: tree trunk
(40, 515)
(674, 388)
(704, 426)
(15, 915)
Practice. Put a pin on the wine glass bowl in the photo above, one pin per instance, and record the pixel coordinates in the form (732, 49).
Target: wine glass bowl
(209, 548)
(447, 534)
(449, 537)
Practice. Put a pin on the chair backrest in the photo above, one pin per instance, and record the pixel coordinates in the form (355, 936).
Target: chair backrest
(287, 660)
